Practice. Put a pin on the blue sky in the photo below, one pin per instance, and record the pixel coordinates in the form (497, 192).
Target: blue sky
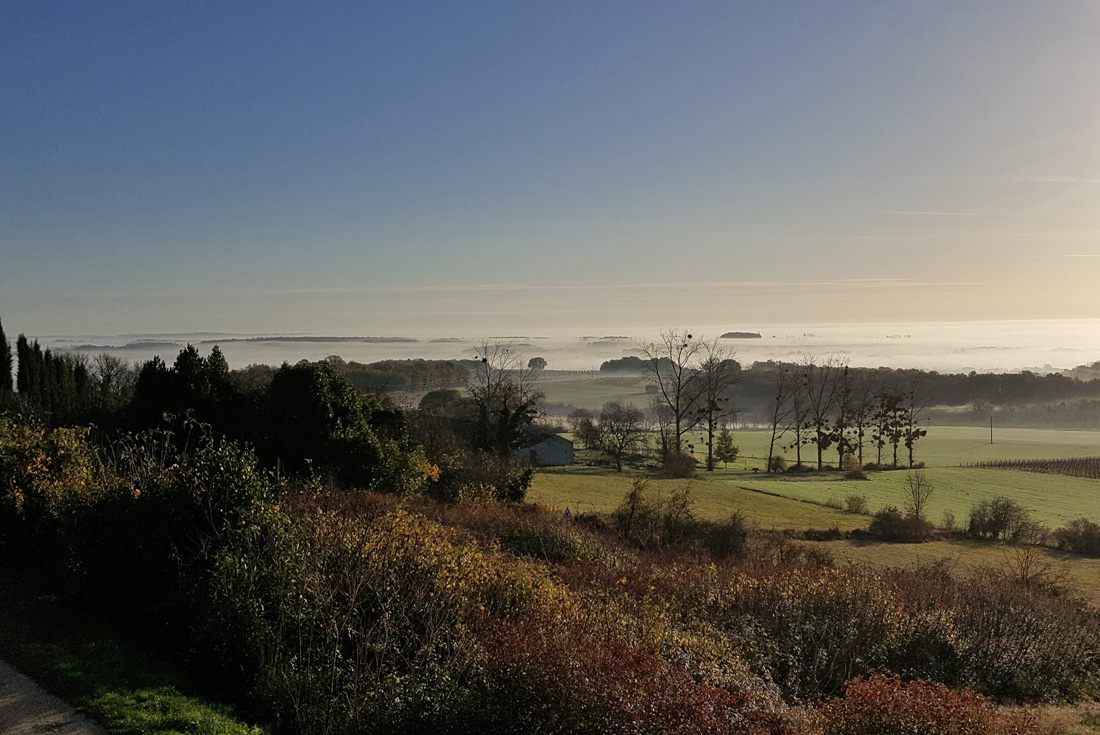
(432, 168)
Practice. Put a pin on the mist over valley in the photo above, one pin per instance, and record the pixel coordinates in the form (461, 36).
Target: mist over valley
(1041, 346)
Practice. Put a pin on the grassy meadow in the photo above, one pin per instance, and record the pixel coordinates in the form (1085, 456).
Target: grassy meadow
(804, 501)
(1051, 498)
(591, 390)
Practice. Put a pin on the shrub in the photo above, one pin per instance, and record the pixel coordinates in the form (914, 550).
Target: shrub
(889, 524)
(777, 464)
(800, 468)
(809, 628)
(1023, 640)
(1080, 536)
(574, 676)
(856, 474)
(351, 627)
(832, 502)
(46, 475)
(948, 521)
(654, 522)
(478, 475)
(883, 704)
(999, 518)
(553, 541)
(728, 538)
(679, 464)
(856, 504)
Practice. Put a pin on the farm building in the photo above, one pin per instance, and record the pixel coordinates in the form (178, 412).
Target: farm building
(547, 451)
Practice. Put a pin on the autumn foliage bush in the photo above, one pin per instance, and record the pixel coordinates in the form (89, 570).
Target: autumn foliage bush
(884, 704)
(46, 475)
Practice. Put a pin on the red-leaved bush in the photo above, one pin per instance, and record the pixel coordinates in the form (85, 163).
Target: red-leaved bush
(886, 705)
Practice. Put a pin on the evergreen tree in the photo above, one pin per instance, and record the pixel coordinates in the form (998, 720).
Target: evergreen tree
(217, 366)
(725, 451)
(6, 384)
(23, 378)
(38, 372)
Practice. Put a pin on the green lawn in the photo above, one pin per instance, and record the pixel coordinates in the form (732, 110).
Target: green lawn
(1051, 498)
(117, 679)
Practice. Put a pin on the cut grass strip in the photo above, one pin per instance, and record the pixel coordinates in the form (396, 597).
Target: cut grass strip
(118, 680)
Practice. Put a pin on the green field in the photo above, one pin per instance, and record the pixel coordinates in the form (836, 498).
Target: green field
(583, 489)
(1051, 498)
(800, 501)
(591, 391)
(945, 446)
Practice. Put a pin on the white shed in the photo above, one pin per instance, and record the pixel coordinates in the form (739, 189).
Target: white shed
(550, 451)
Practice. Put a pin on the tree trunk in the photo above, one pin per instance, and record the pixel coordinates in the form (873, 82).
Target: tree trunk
(771, 451)
(710, 448)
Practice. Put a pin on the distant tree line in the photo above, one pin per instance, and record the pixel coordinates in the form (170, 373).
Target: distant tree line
(329, 418)
(387, 375)
(946, 389)
(990, 390)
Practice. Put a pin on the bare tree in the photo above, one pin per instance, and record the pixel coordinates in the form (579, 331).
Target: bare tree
(798, 419)
(919, 491)
(504, 395)
(843, 417)
(915, 403)
(622, 430)
(821, 382)
(718, 372)
(780, 411)
(861, 411)
(672, 365)
(113, 380)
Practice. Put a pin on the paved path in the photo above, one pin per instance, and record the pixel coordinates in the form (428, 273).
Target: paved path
(26, 709)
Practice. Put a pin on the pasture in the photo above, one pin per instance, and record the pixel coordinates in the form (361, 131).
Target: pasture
(565, 390)
(802, 501)
(586, 489)
(1053, 499)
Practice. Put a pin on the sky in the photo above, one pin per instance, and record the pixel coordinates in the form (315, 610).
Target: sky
(435, 168)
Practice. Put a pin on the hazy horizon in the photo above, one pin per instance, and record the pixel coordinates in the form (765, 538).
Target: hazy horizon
(997, 346)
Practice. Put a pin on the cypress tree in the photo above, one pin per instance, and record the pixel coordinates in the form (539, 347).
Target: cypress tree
(24, 378)
(39, 377)
(6, 384)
